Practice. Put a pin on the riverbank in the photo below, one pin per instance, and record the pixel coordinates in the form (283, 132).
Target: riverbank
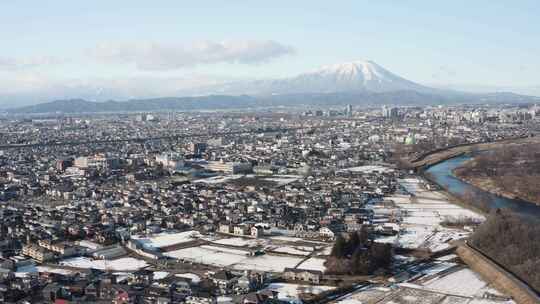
(434, 157)
(453, 198)
(487, 184)
(465, 193)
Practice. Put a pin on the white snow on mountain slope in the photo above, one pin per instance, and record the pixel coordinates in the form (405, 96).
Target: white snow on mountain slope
(355, 76)
(351, 71)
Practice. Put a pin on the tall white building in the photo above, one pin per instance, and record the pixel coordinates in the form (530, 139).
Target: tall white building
(171, 160)
(390, 112)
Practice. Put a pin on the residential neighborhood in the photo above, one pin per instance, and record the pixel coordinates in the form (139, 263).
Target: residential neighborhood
(166, 208)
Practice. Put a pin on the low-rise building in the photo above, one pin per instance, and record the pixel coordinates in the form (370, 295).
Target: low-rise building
(312, 276)
(38, 253)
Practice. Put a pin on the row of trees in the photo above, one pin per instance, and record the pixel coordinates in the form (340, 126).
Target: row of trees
(357, 254)
(514, 242)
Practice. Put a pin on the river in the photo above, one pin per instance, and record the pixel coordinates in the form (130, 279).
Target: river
(442, 175)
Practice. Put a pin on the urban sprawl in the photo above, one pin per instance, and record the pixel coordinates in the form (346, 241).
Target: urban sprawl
(245, 207)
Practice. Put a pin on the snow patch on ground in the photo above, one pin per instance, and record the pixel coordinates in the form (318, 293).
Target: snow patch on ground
(123, 264)
(31, 269)
(462, 282)
(167, 239)
(313, 264)
(289, 250)
(241, 242)
(290, 292)
(422, 213)
(234, 258)
(208, 256)
(271, 263)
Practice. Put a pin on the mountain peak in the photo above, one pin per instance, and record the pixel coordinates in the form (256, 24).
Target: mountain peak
(364, 69)
(357, 64)
(354, 76)
(359, 75)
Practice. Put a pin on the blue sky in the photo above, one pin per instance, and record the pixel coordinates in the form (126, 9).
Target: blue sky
(54, 43)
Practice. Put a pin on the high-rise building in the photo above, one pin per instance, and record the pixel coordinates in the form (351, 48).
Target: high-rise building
(197, 148)
(348, 110)
(390, 112)
(171, 160)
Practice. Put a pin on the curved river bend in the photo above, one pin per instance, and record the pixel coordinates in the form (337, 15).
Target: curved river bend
(442, 175)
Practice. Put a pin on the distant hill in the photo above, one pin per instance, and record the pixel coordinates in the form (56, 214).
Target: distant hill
(213, 102)
(138, 105)
(358, 83)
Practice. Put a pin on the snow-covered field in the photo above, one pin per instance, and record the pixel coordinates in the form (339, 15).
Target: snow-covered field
(295, 240)
(419, 210)
(167, 239)
(289, 292)
(277, 244)
(415, 294)
(313, 264)
(369, 295)
(462, 282)
(423, 236)
(267, 262)
(441, 281)
(234, 258)
(289, 250)
(369, 169)
(326, 251)
(413, 186)
(31, 269)
(438, 282)
(286, 238)
(241, 242)
(209, 256)
(423, 213)
(123, 264)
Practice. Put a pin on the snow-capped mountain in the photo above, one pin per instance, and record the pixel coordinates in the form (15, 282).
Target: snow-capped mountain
(357, 82)
(352, 76)
(346, 77)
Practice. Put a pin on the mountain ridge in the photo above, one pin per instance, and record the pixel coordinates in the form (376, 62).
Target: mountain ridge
(358, 82)
(223, 102)
(359, 75)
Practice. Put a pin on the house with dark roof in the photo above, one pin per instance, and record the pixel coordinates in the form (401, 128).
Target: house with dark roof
(225, 281)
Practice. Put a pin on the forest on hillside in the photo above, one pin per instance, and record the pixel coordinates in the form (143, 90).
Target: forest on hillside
(512, 241)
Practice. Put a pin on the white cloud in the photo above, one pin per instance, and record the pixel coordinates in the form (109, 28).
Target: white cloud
(154, 56)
